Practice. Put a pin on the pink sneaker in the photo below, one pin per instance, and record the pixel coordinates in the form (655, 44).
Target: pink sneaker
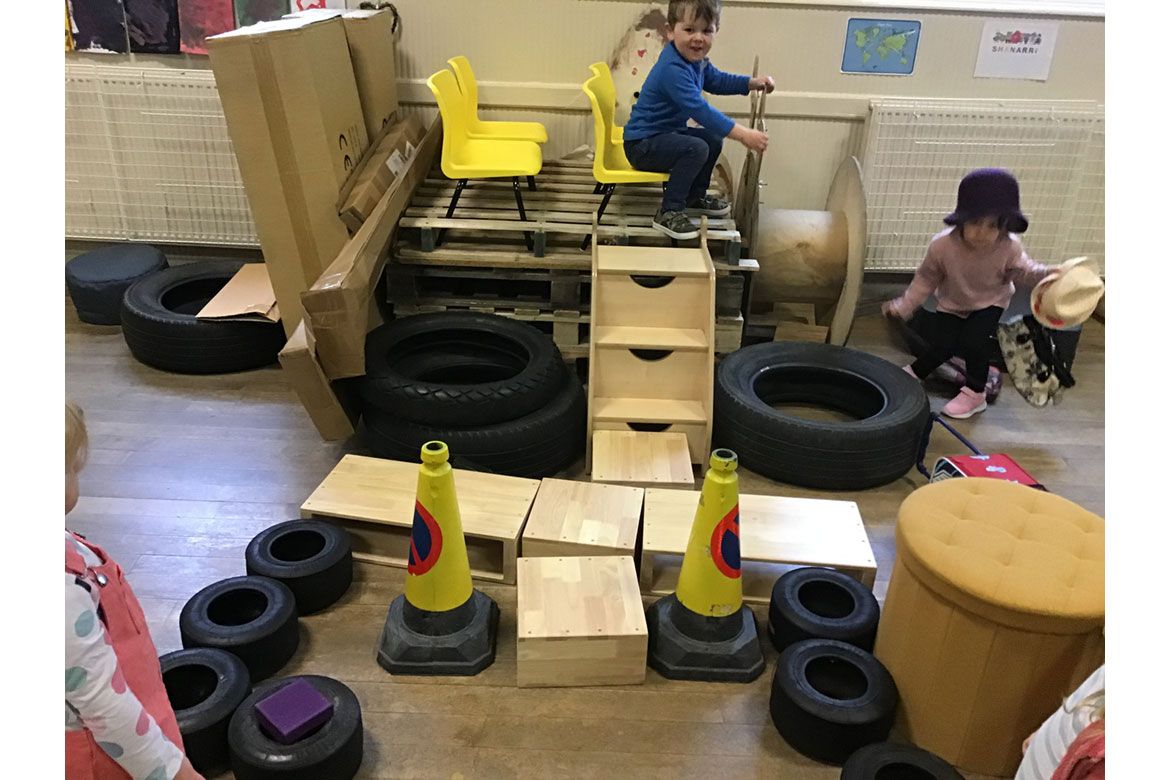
(965, 404)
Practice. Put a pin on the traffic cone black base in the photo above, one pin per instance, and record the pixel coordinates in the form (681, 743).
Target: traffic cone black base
(460, 641)
(688, 646)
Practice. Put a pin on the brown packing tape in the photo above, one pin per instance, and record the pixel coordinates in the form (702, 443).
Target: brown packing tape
(332, 414)
(338, 305)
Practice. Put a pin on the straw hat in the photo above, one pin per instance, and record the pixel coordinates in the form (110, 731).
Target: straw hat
(1067, 297)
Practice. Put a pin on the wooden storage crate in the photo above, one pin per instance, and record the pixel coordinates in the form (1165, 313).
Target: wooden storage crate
(775, 533)
(374, 499)
(582, 518)
(579, 621)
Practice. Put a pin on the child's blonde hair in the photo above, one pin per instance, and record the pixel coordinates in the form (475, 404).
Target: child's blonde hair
(76, 437)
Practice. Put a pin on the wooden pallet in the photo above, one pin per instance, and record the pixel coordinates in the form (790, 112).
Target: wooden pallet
(569, 328)
(560, 213)
(550, 289)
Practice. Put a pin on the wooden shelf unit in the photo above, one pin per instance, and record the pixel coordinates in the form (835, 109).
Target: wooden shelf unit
(652, 343)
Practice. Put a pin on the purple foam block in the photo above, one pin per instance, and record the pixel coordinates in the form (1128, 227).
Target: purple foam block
(293, 712)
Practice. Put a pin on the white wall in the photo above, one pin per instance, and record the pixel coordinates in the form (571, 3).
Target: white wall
(532, 55)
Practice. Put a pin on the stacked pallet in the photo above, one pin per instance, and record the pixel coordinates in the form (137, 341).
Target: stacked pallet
(481, 263)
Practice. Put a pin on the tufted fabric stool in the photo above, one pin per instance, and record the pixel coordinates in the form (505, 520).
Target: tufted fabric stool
(98, 279)
(995, 612)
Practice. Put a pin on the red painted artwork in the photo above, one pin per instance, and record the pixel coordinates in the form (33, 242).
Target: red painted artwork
(199, 19)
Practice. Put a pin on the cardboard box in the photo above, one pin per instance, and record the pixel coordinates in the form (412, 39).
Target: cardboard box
(371, 50)
(388, 162)
(247, 297)
(293, 113)
(341, 306)
(334, 412)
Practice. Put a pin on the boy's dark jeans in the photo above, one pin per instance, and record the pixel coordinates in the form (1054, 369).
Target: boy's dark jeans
(970, 338)
(688, 156)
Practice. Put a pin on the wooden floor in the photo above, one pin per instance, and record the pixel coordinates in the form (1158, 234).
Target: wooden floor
(184, 470)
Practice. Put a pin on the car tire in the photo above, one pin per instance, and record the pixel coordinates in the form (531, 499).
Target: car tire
(313, 558)
(254, 618)
(817, 603)
(205, 686)
(878, 447)
(830, 698)
(333, 752)
(162, 331)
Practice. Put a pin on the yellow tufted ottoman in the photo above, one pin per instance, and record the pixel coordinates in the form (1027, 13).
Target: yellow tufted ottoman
(995, 612)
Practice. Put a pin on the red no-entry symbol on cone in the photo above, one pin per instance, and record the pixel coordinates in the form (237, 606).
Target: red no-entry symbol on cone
(725, 544)
(426, 542)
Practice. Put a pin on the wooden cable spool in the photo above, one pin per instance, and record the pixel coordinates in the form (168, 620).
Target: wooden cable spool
(816, 258)
(811, 262)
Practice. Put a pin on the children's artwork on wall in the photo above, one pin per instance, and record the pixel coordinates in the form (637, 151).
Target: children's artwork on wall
(68, 28)
(153, 26)
(99, 26)
(305, 5)
(200, 19)
(252, 11)
(635, 55)
(881, 46)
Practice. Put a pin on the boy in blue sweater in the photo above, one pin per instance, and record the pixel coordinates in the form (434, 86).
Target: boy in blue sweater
(657, 137)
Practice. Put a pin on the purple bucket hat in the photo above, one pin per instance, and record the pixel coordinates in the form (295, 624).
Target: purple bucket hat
(986, 192)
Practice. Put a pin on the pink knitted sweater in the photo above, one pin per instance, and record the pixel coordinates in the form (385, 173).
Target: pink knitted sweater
(965, 279)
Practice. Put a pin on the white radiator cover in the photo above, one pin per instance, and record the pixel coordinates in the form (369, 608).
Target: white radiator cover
(916, 152)
(147, 157)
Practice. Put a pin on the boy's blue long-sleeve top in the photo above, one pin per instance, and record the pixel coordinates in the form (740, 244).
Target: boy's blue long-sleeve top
(673, 93)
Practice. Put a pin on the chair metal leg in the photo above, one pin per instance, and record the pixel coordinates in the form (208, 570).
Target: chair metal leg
(520, 208)
(597, 188)
(532, 183)
(459, 185)
(608, 190)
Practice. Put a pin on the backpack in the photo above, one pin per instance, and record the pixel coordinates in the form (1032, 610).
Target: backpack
(1034, 360)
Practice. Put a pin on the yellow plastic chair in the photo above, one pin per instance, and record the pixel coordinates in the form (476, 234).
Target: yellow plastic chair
(467, 158)
(610, 166)
(602, 71)
(478, 128)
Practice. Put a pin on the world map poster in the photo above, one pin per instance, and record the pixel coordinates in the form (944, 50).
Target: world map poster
(881, 46)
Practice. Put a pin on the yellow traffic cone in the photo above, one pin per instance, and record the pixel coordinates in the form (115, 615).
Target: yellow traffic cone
(438, 575)
(703, 631)
(440, 625)
(709, 583)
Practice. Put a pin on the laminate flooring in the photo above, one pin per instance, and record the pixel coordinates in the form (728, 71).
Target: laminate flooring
(184, 470)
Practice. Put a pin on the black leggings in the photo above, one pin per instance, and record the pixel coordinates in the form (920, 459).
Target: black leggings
(970, 338)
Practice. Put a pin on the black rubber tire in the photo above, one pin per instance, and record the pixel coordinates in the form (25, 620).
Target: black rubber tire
(160, 327)
(537, 445)
(333, 752)
(205, 686)
(891, 761)
(460, 368)
(818, 603)
(313, 558)
(830, 698)
(98, 279)
(875, 449)
(253, 617)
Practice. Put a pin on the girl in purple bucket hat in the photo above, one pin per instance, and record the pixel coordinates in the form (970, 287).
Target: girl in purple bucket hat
(971, 267)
